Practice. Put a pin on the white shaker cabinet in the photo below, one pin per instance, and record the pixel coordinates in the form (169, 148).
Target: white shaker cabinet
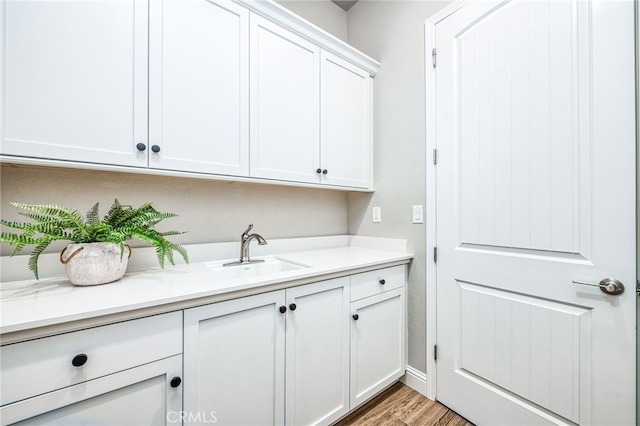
(317, 352)
(123, 373)
(199, 86)
(345, 123)
(234, 360)
(378, 332)
(74, 80)
(285, 103)
(238, 353)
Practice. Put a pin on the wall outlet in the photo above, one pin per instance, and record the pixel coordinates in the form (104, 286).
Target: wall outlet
(377, 215)
(418, 214)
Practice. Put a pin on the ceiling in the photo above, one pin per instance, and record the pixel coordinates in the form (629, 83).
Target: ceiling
(345, 4)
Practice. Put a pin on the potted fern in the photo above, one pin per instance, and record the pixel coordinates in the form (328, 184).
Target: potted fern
(97, 253)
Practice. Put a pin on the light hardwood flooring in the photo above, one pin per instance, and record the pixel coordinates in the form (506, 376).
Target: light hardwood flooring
(400, 405)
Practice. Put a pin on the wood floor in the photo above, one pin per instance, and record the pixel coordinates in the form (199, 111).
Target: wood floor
(402, 406)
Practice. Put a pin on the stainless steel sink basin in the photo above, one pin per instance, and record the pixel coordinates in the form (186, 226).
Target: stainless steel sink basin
(247, 271)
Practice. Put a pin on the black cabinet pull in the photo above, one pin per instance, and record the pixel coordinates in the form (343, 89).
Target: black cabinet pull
(356, 316)
(155, 148)
(141, 147)
(319, 171)
(283, 309)
(382, 281)
(175, 382)
(79, 360)
(325, 171)
(292, 306)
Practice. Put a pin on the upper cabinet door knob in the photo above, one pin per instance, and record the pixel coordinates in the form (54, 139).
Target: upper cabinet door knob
(141, 147)
(155, 148)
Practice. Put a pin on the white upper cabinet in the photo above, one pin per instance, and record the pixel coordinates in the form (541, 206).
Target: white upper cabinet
(346, 123)
(198, 86)
(74, 80)
(235, 89)
(285, 104)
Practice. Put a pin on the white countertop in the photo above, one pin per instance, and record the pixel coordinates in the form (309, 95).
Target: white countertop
(31, 304)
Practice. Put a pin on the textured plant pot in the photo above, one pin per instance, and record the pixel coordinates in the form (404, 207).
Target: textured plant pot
(95, 263)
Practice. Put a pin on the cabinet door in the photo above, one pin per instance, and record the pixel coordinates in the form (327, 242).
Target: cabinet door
(198, 86)
(139, 396)
(285, 104)
(377, 344)
(318, 352)
(346, 123)
(74, 80)
(234, 360)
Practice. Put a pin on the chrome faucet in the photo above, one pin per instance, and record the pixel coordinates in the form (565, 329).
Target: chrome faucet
(245, 240)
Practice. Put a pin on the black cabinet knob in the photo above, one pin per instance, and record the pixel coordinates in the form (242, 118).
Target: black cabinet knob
(318, 171)
(292, 306)
(382, 281)
(356, 316)
(325, 171)
(283, 309)
(79, 360)
(175, 382)
(155, 148)
(141, 147)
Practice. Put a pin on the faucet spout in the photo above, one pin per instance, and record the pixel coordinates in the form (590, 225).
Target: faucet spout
(245, 240)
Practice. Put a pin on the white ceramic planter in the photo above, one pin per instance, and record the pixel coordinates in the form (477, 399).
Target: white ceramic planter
(95, 263)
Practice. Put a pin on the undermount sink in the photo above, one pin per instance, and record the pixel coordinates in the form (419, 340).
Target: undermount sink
(251, 270)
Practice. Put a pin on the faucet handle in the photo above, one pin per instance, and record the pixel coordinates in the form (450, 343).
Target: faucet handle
(249, 228)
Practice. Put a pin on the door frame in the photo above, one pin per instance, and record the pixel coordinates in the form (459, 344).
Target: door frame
(431, 198)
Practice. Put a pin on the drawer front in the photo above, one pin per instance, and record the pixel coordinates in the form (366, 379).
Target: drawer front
(43, 365)
(376, 282)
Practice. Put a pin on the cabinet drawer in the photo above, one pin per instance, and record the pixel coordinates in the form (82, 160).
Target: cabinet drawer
(42, 365)
(376, 282)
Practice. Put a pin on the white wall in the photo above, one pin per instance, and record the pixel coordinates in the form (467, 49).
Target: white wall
(210, 211)
(322, 13)
(393, 33)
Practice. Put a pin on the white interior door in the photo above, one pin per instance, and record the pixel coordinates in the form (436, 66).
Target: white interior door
(535, 190)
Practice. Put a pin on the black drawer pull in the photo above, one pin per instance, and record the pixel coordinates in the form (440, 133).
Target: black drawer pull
(382, 282)
(283, 309)
(175, 382)
(79, 360)
(141, 147)
(292, 306)
(356, 316)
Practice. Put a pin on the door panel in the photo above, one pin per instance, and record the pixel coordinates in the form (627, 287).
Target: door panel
(234, 358)
(74, 80)
(535, 190)
(519, 128)
(199, 86)
(285, 99)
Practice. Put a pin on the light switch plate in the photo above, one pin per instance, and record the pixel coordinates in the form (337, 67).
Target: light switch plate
(418, 214)
(377, 215)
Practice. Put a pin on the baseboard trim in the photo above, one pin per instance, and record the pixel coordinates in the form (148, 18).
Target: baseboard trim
(416, 380)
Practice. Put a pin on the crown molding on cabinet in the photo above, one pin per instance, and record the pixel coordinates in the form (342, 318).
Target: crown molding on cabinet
(306, 29)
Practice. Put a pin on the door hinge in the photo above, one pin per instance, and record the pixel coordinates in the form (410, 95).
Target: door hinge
(435, 352)
(435, 156)
(433, 57)
(637, 287)
(435, 254)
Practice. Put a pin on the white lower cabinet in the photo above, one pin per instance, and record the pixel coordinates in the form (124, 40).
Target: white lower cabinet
(317, 373)
(123, 373)
(239, 354)
(299, 356)
(378, 331)
(234, 361)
